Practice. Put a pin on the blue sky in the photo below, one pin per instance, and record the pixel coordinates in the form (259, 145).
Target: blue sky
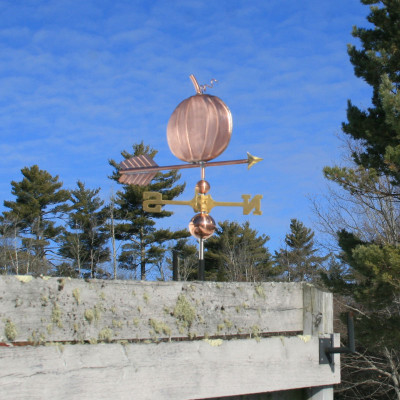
(80, 81)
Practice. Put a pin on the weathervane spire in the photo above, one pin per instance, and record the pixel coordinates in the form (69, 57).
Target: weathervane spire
(198, 131)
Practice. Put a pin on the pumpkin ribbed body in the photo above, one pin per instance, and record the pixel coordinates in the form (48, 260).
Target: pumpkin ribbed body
(200, 128)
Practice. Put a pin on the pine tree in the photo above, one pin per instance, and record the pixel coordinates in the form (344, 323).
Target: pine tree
(237, 253)
(11, 256)
(39, 201)
(136, 227)
(85, 243)
(299, 260)
(371, 278)
(188, 259)
(377, 129)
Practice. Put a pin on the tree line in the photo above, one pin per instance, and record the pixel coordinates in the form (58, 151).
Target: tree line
(49, 230)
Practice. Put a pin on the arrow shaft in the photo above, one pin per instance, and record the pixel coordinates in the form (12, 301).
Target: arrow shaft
(145, 170)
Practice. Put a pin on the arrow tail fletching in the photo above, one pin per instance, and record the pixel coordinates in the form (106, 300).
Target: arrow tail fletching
(132, 177)
(138, 179)
(141, 161)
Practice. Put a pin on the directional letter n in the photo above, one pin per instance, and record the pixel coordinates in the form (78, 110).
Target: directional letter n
(255, 204)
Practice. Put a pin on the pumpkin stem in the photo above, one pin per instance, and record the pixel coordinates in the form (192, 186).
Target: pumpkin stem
(195, 84)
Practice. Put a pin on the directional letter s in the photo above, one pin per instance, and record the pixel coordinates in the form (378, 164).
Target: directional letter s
(153, 201)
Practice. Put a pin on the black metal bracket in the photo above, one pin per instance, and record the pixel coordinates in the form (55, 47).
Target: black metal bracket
(326, 348)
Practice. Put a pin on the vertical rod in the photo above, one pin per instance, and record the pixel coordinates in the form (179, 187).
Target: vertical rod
(175, 266)
(201, 241)
(201, 260)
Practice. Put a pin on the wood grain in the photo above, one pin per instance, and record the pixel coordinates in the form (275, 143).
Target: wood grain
(176, 370)
(48, 310)
(72, 339)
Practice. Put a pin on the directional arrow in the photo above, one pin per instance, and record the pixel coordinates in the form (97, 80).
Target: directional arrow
(141, 170)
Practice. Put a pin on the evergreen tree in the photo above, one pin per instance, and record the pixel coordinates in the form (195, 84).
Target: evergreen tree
(39, 200)
(136, 227)
(374, 262)
(377, 129)
(85, 243)
(237, 253)
(188, 260)
(371, 278)
(299, 261)
(11, 256)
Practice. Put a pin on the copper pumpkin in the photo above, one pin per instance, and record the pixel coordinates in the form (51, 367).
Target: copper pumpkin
(200, 128)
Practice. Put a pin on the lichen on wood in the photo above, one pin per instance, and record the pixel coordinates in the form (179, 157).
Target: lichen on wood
(93, 314)
(116, 323)
(105, 335)
(146, 297)
(260, 291)
(228, 323)
(10, 330)
(214, 342)
(77, 295)
(45, 300)
(24, 278)
(83, 309)
(160, 327)
(89, 315)
(136, 322)
(255, 332)
(56, 316)
(184, 312)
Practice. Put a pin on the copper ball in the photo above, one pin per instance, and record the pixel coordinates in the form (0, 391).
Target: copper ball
(202, 186)
(202, 226)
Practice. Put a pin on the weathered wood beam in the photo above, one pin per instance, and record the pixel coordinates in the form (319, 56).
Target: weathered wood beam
(177, 370)
(166, 340)
(41, 310)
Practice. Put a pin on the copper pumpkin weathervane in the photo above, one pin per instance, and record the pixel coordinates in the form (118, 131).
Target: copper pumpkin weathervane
(198, 131)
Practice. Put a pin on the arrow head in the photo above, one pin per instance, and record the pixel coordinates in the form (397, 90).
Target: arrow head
(251, 160)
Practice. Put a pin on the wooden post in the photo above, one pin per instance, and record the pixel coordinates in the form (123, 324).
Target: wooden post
(321, 393)
(318, 321)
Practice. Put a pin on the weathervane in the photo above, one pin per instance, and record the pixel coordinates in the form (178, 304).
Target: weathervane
(198, 131)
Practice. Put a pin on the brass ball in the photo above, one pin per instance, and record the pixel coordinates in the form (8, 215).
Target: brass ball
(202, 226)
(202, 186)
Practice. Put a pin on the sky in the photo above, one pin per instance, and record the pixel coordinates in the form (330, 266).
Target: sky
(81, 81)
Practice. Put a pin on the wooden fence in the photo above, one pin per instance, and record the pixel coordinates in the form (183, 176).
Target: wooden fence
(65, 338)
